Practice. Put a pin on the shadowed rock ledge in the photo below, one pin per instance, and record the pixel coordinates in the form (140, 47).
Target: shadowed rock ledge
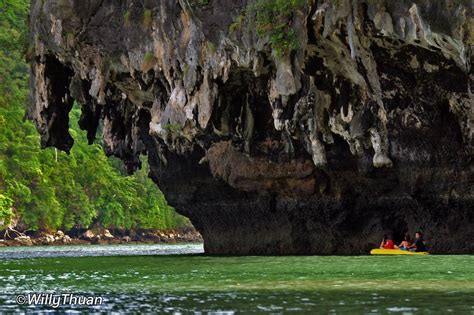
(365, 126)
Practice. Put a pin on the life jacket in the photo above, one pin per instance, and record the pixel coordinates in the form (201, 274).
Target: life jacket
(388, 244)
(420, 245)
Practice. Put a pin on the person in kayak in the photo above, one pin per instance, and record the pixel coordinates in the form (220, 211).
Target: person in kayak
(406, 243)
(419, 245)
(387, 243)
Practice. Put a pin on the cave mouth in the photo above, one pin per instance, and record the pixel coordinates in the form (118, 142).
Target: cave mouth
(243, 95)
(396, 228)
(57, 78)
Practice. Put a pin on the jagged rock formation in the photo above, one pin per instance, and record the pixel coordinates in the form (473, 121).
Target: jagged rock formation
(366, 127)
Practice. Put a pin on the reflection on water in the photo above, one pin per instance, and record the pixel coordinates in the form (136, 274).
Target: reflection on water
(100, 250)
(274, 303)
(227, 285)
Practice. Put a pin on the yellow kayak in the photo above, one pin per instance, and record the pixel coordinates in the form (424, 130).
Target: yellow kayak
(380, 251)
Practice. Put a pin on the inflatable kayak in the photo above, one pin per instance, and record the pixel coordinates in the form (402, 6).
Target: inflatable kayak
(380, 251)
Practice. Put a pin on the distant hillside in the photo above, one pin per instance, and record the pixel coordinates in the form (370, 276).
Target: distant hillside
(48, 189)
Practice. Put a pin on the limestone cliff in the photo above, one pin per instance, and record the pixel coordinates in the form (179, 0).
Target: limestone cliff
(362, 124)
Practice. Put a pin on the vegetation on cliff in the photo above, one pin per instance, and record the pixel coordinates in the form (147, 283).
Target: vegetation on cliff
(273, 20)
(48, 189)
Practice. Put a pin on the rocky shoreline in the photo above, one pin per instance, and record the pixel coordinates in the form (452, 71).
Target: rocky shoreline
(104, 237)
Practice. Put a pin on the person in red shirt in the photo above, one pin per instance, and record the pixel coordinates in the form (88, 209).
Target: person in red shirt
(387, 243)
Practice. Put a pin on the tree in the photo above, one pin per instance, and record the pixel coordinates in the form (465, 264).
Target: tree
(47, 189)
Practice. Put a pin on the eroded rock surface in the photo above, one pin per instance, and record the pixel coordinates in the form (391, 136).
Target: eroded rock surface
(366, 127)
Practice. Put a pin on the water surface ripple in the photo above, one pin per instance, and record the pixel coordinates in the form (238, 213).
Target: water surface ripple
(173, 279)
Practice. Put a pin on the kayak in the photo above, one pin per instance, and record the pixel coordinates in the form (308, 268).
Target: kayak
(380, 251)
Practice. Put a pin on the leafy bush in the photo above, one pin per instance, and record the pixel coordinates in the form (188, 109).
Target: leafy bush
(6, 211)
(173, 128)
(273, 18)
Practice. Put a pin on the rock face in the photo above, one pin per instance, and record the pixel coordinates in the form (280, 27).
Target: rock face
(365, 127)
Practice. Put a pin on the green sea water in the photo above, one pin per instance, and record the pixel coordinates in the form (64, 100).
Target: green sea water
(157, 278)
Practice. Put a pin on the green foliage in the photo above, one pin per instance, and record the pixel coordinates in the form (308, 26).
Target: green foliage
(463, 2)
(148, 62)
(173, 128)
(211, 46)
(48, 189)
(199, 3)
(147, 18)
(126, 18)
(6, 210)
(70, 40)
(273, 18)
(237, 24)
